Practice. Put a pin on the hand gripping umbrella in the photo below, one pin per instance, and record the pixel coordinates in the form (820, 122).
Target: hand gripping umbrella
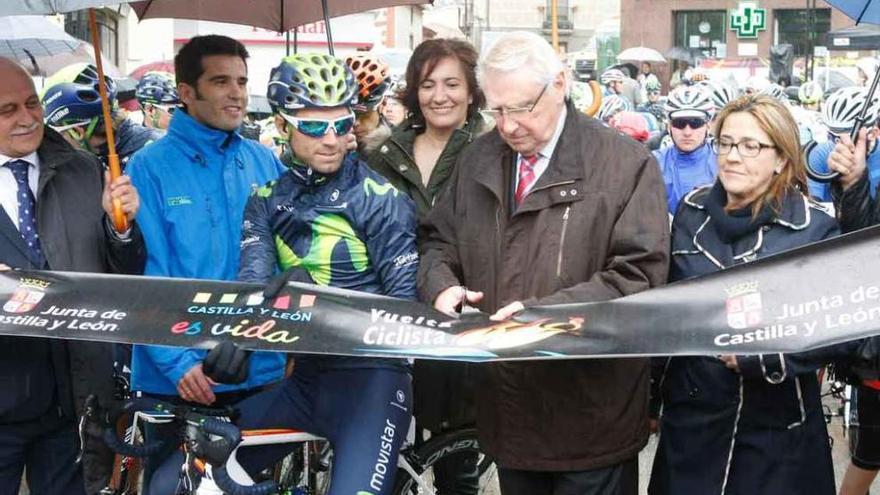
(867, 11)
(35, 7)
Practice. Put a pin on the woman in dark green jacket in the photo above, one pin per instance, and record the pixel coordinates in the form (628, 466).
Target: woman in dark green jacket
(443, 100)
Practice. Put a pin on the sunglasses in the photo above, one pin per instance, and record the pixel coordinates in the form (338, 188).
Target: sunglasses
(693, 123)
(320, 127)
(169, 109)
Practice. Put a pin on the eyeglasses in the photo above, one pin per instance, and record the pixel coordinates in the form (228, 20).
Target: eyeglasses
(320, 127)
(693, 123)
(495, 113)
(748, 148)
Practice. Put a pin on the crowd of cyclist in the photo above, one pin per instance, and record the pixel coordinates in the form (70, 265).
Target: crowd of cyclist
(354, 153)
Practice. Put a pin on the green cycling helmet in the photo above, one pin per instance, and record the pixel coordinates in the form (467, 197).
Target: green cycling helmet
(311, 80)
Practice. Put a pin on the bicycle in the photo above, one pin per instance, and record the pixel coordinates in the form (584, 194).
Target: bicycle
(211, 442)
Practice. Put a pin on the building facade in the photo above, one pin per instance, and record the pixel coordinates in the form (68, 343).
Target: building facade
(727, 29)
(579, 20)
(733, 32)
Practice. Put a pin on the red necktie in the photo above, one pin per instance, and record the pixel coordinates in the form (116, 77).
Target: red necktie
(526, 177)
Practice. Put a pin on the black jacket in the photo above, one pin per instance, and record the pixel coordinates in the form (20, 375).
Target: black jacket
(760, 431)
(855, 207)
(40, 375)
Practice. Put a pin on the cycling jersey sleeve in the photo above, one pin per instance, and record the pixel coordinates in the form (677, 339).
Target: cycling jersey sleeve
(259, 257)
(391, 243)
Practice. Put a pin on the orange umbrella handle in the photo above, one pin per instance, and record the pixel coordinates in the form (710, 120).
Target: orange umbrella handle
(597, 99)
(119, 220)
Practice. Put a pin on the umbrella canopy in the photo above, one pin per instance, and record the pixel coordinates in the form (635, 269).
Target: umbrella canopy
(680, 53)
(641, 54)
(30, 37)
(277, 15)
(45, 7)
(46, 66)
(867, 11)
(162, 66)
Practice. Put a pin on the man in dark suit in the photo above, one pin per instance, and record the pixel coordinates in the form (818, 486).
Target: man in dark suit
(52, 216)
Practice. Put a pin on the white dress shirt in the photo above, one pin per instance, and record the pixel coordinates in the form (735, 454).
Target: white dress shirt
(9, 187)
(543, 155)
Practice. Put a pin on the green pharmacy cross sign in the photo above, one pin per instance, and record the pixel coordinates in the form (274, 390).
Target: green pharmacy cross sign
(748, 19)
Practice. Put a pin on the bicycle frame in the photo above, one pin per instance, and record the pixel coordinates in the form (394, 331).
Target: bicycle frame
(251, 438)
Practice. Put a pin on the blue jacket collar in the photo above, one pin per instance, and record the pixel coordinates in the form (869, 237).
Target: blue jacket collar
(201, 139)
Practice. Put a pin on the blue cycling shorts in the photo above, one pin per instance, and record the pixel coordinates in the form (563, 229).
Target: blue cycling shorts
(365, 413)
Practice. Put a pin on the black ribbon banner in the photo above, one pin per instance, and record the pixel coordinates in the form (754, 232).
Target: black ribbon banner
(811, 297)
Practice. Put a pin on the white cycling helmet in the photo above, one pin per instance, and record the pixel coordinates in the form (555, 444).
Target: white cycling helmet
(612, 75)
(776, 91)
(689, 102)
(719, 92)
(611, 105)
(843, 106)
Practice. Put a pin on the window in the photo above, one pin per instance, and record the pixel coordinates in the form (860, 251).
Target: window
(701, 31)
(563, 14)
(77, 25)
(791, 27)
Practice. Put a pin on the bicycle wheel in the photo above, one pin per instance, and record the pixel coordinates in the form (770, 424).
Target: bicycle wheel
(425, 458)
(307, 469)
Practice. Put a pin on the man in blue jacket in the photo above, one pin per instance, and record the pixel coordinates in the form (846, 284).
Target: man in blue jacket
(689, 162)
(195, 183)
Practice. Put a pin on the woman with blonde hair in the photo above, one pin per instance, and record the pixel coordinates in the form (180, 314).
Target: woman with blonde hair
(739, 424)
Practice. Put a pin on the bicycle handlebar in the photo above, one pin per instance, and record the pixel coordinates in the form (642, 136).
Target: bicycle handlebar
(120, 447)
(145, 404)
(217, 452)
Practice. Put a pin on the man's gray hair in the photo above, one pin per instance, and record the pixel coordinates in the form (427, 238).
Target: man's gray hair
(522, 52)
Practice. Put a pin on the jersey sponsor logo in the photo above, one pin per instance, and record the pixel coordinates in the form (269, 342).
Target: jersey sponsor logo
(328, 230)
(179, 200)
(335, 195)
(381, 469)
(373, 187)
(406, 260)
(250, 240)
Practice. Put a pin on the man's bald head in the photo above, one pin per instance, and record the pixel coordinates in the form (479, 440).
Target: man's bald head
(21, 114)
(10, 68)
